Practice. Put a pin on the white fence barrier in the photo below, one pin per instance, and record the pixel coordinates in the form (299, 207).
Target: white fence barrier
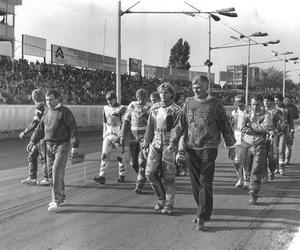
(14, 118)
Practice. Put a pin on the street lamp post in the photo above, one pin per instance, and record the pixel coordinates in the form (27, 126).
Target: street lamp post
(249, 44)
(284, 71)
(225, 12)
(279, 60)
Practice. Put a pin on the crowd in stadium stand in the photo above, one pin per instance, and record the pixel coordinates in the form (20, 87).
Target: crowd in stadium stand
(78, 86)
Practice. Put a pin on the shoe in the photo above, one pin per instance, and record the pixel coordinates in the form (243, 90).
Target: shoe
(287, 162)
(60, 202)
(167, 210)
(281, 172)
(272, 176)
(44, 182)
(121, 179)
(99, 179)
(239, 183)
(252, 200)
(29, 181)
(265, 179)
(138, 190)
(246, 185)
(53, 206)
(159, 205)
(201, 225)
(184, 172)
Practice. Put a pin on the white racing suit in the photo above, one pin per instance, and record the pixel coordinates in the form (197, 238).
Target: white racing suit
(112, 121)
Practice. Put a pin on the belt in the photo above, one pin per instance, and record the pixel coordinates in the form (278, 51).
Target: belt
(111, 133)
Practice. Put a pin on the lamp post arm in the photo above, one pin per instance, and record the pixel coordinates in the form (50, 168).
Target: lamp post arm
(235, 46)
(279, 60)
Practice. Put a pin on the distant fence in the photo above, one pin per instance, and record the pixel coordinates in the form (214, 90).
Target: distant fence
(15, 118)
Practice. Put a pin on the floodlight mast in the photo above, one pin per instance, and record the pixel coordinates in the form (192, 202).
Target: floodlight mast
(226, 12)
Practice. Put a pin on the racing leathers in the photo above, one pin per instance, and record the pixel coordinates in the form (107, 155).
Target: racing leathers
(236, 120)
(157, 136)
(284, 125)
(135, 120)
(255, 128)
(112, 121)
(40, 149)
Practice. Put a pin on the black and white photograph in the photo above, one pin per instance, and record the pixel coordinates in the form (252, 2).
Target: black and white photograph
(149, 124)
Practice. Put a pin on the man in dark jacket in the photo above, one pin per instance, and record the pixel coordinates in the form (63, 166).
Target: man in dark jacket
(58, 128)
(202, 120)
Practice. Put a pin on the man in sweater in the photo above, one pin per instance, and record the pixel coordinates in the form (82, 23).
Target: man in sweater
(201, 121)
(58, 129)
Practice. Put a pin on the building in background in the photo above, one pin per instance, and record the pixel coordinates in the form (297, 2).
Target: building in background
(239, 75)
(7, 26)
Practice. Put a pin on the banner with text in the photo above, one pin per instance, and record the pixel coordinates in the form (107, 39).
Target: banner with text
(74, 57)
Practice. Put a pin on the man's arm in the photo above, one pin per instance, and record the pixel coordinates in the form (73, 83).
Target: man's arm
(265, 125)
(224, 126)
(70, 122)
(149, 133)
(179, 129)
(38, 113)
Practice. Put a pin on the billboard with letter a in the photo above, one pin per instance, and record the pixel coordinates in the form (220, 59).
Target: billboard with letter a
(135, 65)
(74, 57)
(33, 46)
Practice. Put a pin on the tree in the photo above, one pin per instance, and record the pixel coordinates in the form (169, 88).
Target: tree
(180, 54)
(271, 78)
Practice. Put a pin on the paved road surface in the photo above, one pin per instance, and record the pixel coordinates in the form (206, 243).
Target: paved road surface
(114, 217)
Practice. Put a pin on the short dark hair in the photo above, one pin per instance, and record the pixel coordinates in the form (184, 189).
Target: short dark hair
(200, 78)
(141, 93)
(53, 92)
(257, 97)
(38, 95)
(269, 98)
(111, 95)
(279, 96)
(155, 95)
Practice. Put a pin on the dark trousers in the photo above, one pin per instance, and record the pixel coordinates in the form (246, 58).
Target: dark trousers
(201, 164)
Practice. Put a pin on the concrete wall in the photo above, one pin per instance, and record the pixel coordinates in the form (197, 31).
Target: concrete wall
(15, 118)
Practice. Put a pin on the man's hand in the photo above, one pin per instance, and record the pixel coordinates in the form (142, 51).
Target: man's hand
(180, 159)
(170, 148)
(145, 152)
(120, 140)
(231, 153)
(30, 147)
(21, 135)
(74, 152)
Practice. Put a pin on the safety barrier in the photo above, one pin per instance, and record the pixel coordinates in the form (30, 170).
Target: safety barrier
(15, 118)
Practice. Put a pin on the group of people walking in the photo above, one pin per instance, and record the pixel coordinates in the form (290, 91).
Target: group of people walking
(164, 136)
(264, 137)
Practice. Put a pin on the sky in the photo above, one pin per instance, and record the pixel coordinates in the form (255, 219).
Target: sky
(91, 25)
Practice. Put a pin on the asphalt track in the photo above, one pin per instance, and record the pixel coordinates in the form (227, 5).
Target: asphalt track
(114, 217)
